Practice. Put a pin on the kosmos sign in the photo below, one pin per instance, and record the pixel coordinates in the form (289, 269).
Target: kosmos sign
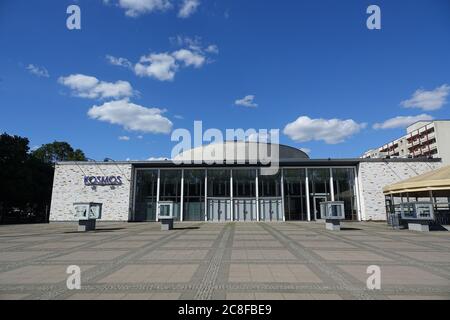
(102, 180)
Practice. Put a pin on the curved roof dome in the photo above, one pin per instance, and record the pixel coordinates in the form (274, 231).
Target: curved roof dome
(242, 150)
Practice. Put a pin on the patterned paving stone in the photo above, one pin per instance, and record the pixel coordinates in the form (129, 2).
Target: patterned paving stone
(179, 255)
(197, 237)
(125, 296)
(272, 273)
(281, 296)
(357, 255)
(190, 244)
(123, 244)
(310, 238)
(326, 244)
(29, 239)
(418, 297)
(160, 273)
(91, 255)
(428, 256)
(291, 260)
(20, 255)
(255, 254)
(58, 245)
(397, 275)
(393, 245)
(6, 245)
(253, 237)
(257, 244)
(37, 274)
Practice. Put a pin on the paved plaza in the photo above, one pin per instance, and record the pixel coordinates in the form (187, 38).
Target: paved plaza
(223, 261)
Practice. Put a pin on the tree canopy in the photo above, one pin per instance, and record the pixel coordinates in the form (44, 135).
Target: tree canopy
(26, 178)
(58, 151)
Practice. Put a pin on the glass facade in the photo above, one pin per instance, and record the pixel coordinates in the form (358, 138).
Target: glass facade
(219, 183)
(319, 189)
(244, 183)
(244, 195)
(344, 190)
(170, 189)
(145, 195)
(194, 195)
(295, 194)
(270, 185)
(232, 194)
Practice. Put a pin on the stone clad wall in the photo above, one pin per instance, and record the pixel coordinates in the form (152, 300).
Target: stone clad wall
(69, 187)
(373, 176)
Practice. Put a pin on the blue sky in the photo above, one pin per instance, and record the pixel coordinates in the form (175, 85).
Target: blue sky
(139, 69)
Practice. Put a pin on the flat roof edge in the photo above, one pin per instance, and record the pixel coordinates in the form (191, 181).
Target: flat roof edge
(291, 162)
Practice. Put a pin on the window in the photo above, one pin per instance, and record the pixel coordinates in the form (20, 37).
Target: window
(219, 183)
(344, 190)
(295, 194)
(145, 196)
(170, 189)
(244, 185)
(194, 195)
(270, 185)
(319, 189)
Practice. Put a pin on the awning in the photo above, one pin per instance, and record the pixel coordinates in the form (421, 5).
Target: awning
(434, 180)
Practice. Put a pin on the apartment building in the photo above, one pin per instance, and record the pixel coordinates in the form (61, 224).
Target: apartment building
(422, 139)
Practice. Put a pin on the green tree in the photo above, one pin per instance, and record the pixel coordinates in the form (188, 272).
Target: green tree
(58, 151)
(26, 179)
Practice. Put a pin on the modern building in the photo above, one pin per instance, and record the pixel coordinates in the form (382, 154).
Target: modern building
(423, 139)
(238, 189)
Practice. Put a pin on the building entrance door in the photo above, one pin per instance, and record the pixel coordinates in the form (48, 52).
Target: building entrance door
(219, 210)
(317, 200)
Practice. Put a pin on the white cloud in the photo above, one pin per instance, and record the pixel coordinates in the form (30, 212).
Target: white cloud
(247, 101)
(428, 100)
(401, 121)
(332, 131)
(212, 48)
(121, 62)
(189, 58)
(188, 7)
(124, 138)
(179, 117)
(90, 87)
(140, 137)
(38, 71)
(134, 8)
(132, 117)
(161, 66)
(164, 66)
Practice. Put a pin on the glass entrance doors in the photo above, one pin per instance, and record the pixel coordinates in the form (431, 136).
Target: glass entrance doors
(317, 201)
(145, 195)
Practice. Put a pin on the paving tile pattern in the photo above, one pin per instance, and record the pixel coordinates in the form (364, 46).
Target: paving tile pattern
(240, 261)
